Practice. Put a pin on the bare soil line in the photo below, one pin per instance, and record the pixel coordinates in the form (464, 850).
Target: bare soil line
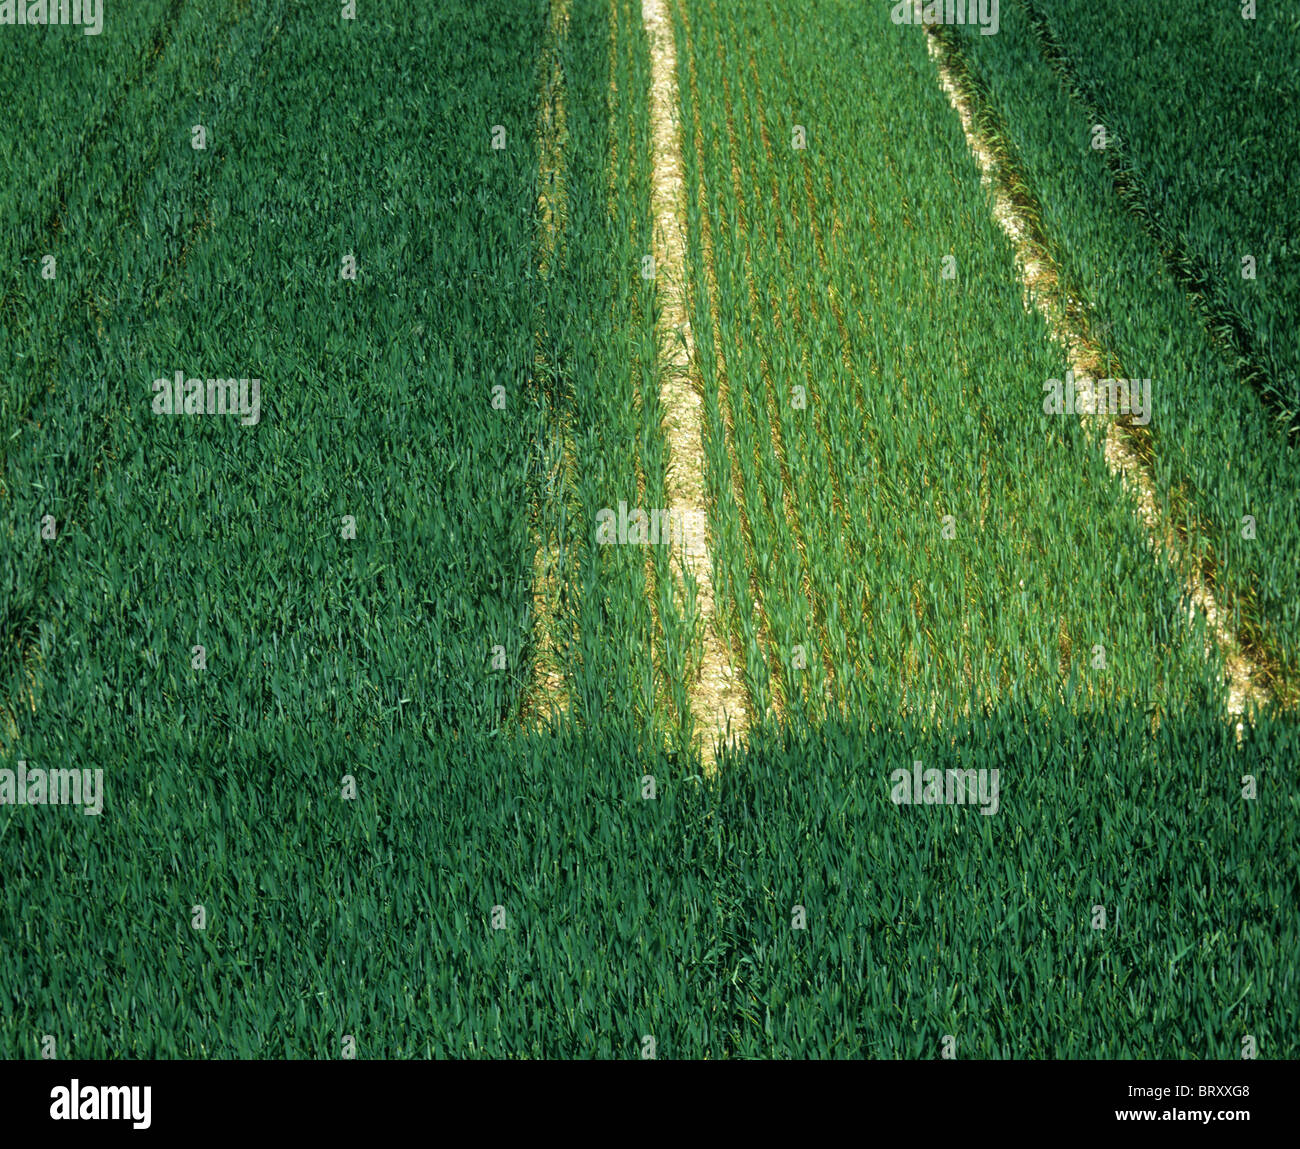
(668, 630)
(548, 694)
(718, 702)
(1127, 448)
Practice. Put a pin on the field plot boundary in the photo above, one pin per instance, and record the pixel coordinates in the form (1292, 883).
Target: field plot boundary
(548, 694)
(718, 704)
(1126, 447)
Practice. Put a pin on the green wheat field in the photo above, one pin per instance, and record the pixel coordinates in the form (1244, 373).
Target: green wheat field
(539, 529)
